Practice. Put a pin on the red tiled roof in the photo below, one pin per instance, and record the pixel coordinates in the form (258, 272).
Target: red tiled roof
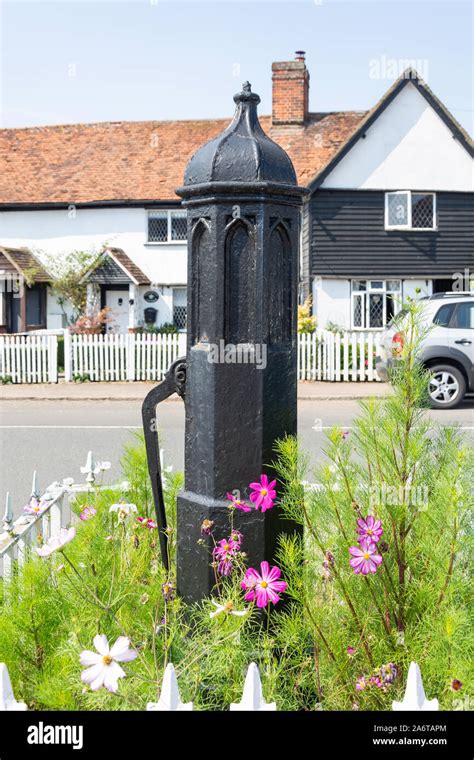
(24, 262)
(138, 161)
(126, 263)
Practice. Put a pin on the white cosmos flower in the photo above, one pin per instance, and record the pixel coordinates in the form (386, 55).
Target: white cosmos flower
(123, 510)
(227, 607)
(56, 542)
(104, 669)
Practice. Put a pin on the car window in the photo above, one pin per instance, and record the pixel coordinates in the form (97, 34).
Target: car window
(464, 317)
(443, 315)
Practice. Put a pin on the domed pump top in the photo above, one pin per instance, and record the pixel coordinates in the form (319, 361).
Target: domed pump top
(242, 153)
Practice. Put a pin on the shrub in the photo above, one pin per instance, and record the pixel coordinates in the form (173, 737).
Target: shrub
(167, 328)
(91, 324)
(306, 320)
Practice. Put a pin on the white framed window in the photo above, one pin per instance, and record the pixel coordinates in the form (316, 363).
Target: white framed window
(167, 226)
(180, 307)
(409, 210)
(374, 303)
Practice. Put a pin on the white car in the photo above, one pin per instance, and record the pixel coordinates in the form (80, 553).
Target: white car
(447, 350)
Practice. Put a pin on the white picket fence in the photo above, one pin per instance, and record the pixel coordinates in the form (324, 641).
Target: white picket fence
(333, 357)
(18, 537)
(252, 700)
(29, 358)
(121, 356)
(322, 355)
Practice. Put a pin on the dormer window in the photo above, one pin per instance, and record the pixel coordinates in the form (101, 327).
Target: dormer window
(167, 226)
(408, 210)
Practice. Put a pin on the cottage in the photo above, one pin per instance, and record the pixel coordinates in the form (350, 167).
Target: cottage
(390, 208)
(392, 212)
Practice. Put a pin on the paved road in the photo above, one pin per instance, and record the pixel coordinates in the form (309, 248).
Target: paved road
(53, 437)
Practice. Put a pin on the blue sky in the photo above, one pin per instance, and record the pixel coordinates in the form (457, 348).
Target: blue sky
(110, 60)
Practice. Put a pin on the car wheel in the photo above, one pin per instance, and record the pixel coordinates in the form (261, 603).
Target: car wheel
(446, 386)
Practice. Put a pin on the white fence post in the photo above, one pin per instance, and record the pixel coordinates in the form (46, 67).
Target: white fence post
(252, 697)
(414, 698)
(7, 699)
(130, 354)
(67, 356)
(181, 344)
(170, 698)
(53, 358)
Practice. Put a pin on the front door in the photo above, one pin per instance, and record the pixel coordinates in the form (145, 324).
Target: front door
(117, 301)
(15, 314)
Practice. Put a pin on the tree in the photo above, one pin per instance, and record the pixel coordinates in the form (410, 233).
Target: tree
(68, 284)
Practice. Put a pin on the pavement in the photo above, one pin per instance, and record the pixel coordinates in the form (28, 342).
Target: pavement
(136, 391)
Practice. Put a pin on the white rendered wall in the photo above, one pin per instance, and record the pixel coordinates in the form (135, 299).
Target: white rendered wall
(55, 317)
(409, 147)
(332, 302)
(409, 288)
(56, 232)
(164, 305)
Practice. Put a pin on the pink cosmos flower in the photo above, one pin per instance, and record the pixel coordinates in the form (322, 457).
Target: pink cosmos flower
(226, 546)
(263, 493)
(375, 681)
(35, 507)
(147, 522)
(351, 651)
(223, 553)
(361, 683)
(56, 543)
(105, 670)
(263, 587)
(87, 513)
(364, 557)
(225, 567)
(370, 528)
(238, 503)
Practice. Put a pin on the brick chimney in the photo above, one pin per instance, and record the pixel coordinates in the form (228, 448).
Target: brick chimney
(290, 91)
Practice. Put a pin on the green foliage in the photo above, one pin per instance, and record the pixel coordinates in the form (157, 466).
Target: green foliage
(67, 278)
(395, 464)
(167, 328)
(335, 328)
(415, 478)
(81, 378)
